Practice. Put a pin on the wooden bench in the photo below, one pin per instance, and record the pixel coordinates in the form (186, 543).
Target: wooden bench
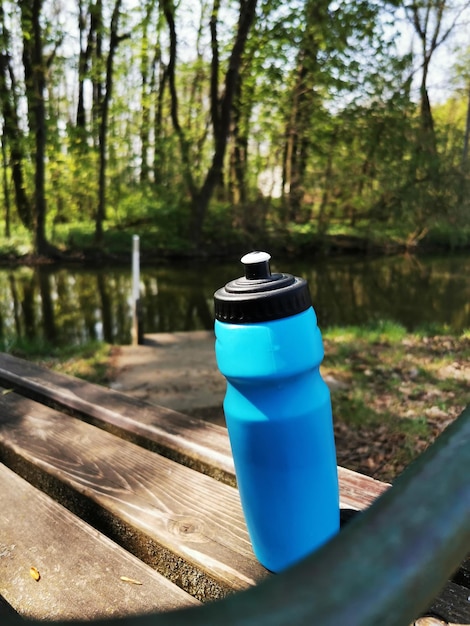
(124, 509)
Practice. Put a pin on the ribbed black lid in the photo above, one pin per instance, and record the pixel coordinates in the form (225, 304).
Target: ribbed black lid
(260, 296)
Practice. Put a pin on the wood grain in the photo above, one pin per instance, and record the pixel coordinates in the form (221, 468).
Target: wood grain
(80, 569)
(189, 441)
(358, 491)
(185, 524)
(382, 569)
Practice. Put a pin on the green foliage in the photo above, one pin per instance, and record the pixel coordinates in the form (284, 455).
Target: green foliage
(18, 244)
(381, 330)
(324, 103)
(71, 187)
(229, 229)
(400, 389)
(90, 361)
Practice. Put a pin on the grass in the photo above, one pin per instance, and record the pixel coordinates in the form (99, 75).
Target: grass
(163, 230)
(91, 361)
(394, 389)
(393, 392)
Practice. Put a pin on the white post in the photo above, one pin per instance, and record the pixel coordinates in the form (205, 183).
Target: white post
(135, 289)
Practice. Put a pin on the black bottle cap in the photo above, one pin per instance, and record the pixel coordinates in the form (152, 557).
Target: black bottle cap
(260, 296)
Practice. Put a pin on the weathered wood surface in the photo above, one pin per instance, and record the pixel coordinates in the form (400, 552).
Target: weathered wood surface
(185, 524)
(452, 604)
(80, 569)
(384, 568)
(189, 441)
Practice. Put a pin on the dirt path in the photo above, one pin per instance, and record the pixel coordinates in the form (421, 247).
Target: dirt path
(386, 387)
(177, 370)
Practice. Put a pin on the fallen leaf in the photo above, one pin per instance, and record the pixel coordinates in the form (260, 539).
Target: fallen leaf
(34, 573)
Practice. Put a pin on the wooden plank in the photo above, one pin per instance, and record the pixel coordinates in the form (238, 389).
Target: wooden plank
(185, 524)
(358, 491)
(80, 569)
(383, 569)
(452, 604)
(192, 442)
(462, 576)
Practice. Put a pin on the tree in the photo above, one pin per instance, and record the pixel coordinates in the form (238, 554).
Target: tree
(103, 99)
(462, 70)
(303, 103)
(85, 52)
(146, 93)
(35, 86)
(220, 105)
(433, 22)
(13, 135)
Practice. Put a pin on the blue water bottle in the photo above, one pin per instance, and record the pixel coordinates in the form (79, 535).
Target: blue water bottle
(278, 412)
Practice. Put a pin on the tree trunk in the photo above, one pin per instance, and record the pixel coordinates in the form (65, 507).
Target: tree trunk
(428, 138)
(145, 97)
(159, 152)
(84, 59)
(322, 226)
(35, 81)
(12, 133)
(298, 138)
(103, 125)
(303, 102)
(215, 99)
(466, 140)
(13, 137)
(96, 34)
(241, 114)
(202, 198)
(238, 153)
(6, 191)
(427, 19)
(169, 12)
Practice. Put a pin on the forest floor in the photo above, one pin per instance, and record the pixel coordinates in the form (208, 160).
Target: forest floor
(391, 395)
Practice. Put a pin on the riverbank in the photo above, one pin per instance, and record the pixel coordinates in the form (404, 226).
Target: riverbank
(116, 249)
(393, 393)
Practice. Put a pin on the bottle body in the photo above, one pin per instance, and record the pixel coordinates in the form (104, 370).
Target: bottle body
(278, 414)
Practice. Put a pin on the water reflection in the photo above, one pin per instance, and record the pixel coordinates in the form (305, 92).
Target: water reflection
(70, 305)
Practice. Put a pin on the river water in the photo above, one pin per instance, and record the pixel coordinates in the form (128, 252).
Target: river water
(70, 305)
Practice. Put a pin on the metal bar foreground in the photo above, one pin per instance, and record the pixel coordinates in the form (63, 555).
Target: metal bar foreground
(384, 568)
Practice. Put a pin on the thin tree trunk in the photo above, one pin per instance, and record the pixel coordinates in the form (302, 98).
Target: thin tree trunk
(13, 136)
(35, 80)
(427, 120)
(466, 140)
(238, 154)
(323, 211)
(6, 191)
(145, 97)
(103, 125)
(201, 200)
(169, 12)
(241, 113)
(84, 59)
(159, 153)
(299, 126)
